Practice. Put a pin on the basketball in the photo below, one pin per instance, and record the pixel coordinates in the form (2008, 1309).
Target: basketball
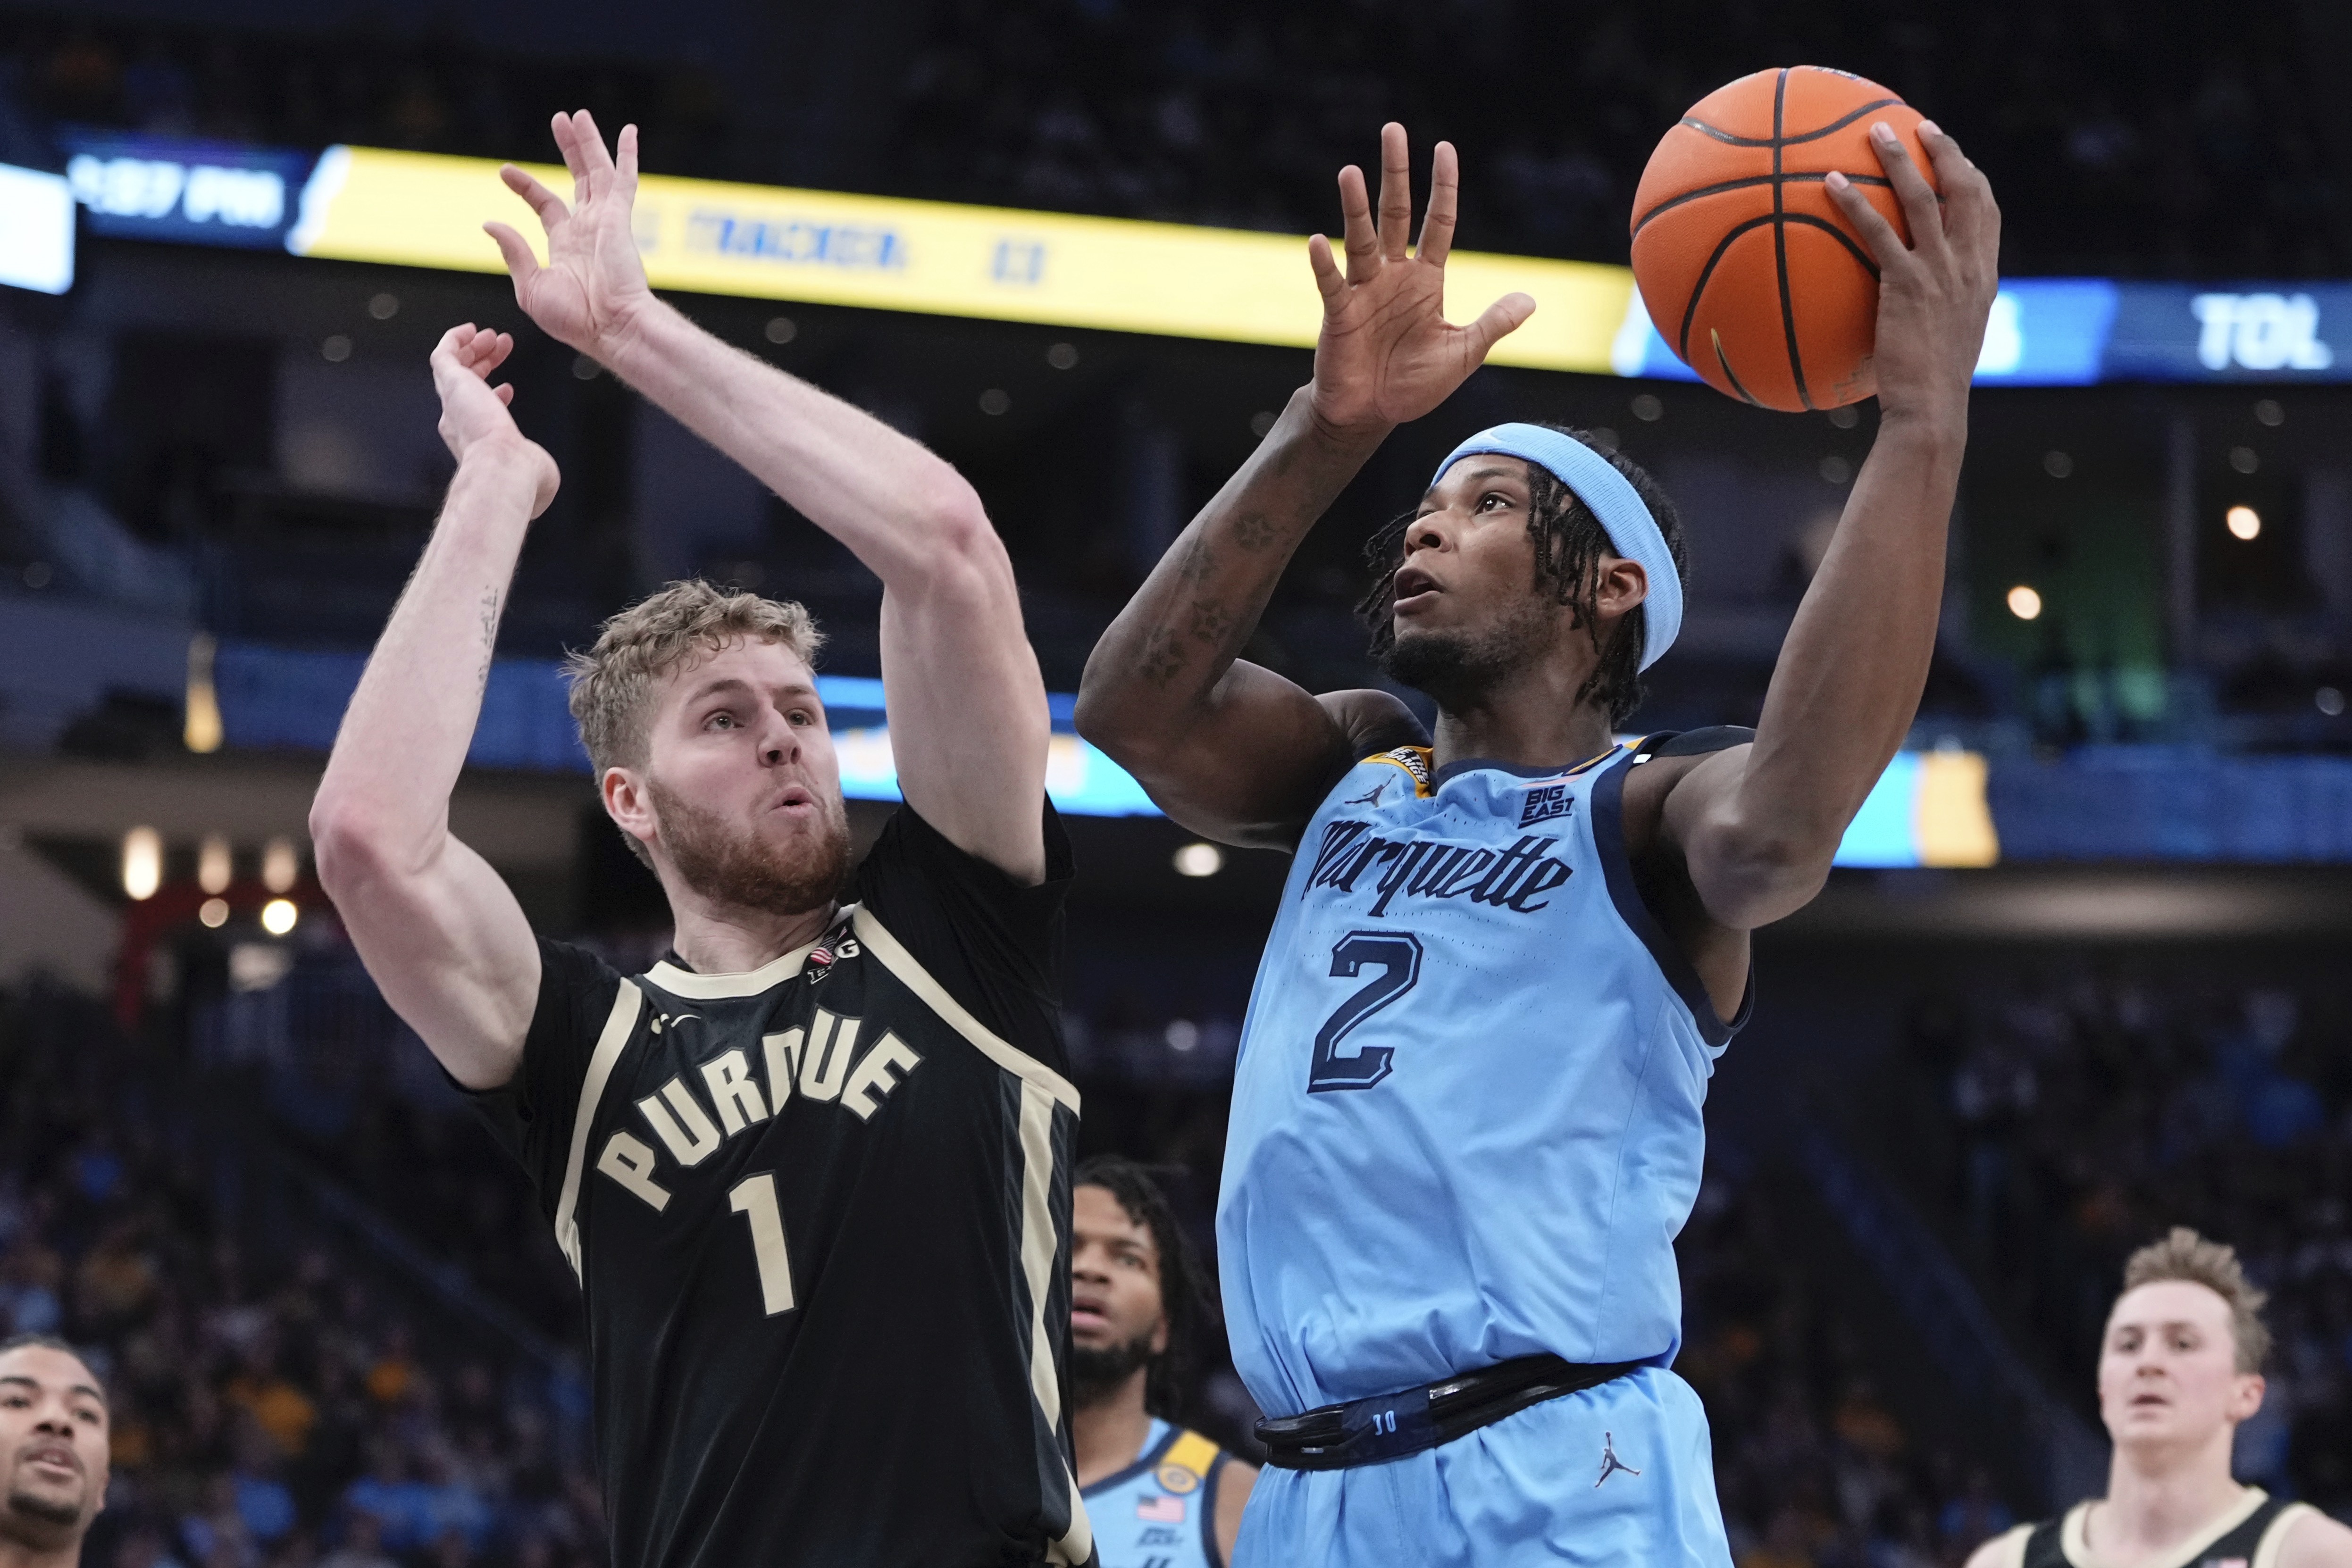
(1747, 268)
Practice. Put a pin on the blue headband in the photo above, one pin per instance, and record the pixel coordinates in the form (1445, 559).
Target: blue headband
(1632, 532)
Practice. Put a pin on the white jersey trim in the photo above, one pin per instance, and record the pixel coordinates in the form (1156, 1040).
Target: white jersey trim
(2272, 1544)
(934, 995)
(1042, 1089)
(704, 988)
(2074, 1536)
(619, 1024)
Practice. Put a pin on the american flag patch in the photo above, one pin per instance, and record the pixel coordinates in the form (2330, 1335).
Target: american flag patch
(1161, 1509)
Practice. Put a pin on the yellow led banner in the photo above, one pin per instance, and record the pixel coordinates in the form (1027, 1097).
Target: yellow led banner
(763, 242)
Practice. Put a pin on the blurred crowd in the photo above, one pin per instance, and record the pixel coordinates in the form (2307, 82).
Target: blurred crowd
(1813, 1467)
(277, 1400)
(2198, 146)
(2071, 1114)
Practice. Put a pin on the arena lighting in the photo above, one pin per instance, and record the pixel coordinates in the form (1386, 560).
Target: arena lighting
(214, 864)
(200, 731)
(2024, 603)
(142, 863)
(36, 230)
(214, 913)
(279, 865)
(2244, 523)
(279, 916)
(1199, 859)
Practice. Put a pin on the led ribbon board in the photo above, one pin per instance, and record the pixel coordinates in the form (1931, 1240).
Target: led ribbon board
(766, 242)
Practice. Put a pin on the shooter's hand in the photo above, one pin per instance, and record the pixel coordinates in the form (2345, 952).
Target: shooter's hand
(475, 422)
(1934, 294)
(1387, 353)
(593, 284)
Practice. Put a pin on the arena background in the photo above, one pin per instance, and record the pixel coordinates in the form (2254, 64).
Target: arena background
(2081, 977)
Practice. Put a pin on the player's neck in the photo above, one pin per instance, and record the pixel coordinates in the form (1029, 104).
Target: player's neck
(724, 939)
(2161, 1495)
(1109, 1432)
(16, 1553)
(1528, 720)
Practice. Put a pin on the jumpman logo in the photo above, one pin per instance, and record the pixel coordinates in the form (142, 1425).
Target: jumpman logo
(1371, 797)
(1610, 1463)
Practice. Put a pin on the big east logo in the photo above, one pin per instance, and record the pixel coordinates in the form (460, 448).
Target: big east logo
(1544, 802)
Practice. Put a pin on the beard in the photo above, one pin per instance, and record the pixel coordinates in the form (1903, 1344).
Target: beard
(1095, 1374)
(1458, 668)
(730, 864)
(56, 1512)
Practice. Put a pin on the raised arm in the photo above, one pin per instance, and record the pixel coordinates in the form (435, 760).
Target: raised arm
(1227, 749)
(437, 929)
(1757, 825)
(968, 716)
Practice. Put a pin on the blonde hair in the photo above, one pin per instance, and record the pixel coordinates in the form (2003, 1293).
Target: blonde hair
(2187, 1256)
(612, 683)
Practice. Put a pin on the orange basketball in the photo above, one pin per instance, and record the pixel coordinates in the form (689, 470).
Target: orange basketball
(1747, 268)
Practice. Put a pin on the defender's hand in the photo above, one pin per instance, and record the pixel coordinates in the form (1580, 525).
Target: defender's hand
(1387, 353)
(1934, 294)
(593, 284)
(475, 421)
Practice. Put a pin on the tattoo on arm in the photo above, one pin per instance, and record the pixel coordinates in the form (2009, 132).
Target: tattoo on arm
(1253, 531)
(489, 609)
(1162, 661)
(1211, 621)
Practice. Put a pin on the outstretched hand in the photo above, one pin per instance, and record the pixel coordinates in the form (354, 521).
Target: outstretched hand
(1934, 294)
(1387, 353)
(593, 282)
(474, 413)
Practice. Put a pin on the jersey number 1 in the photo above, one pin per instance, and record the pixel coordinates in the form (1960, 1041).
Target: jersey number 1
(755, 1197)
(1398, 954)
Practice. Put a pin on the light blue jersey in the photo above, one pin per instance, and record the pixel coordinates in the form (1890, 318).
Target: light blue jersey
(1161, 1512)
(1466, 1114)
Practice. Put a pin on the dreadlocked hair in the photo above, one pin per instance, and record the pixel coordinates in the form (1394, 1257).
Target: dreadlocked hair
(1183, 1287)
(1569, 542)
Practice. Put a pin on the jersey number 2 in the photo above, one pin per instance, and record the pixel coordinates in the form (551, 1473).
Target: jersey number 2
(1398, 954)
(755, 1197)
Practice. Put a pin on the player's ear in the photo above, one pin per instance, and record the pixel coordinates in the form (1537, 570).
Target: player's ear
(629, 804)
(1622, 585)
(1160, 1336)
(2246, 1396)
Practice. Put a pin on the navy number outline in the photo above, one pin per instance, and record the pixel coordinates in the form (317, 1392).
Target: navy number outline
(1398, 955)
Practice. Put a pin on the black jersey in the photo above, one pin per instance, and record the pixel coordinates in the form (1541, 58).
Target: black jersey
(2252, 1531)
(821, 1215)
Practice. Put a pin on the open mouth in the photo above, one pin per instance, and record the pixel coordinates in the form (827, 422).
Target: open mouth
(1413, 588)
(796, 799)
(55, 1457)
(1087, 1312)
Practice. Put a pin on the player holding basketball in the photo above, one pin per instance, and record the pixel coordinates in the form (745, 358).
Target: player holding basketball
(1158, 1495)
(2181, 1367)
(811, 1168)
(1466, 1116)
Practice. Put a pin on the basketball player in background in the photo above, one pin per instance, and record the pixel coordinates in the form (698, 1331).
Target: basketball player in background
(1158, 1495)
(811, 1168)
(2181, 1365)
(1467, 1121)
(53, 1452)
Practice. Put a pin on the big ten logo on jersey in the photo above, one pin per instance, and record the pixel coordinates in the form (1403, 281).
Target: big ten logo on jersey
(827, 1062)
(1432, 869)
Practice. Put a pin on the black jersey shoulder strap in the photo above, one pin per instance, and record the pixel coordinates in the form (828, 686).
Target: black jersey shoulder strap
(2046, 1547)
(2265, 1527)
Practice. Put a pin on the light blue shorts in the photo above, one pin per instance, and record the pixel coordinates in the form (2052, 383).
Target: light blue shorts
(1536, 1487)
